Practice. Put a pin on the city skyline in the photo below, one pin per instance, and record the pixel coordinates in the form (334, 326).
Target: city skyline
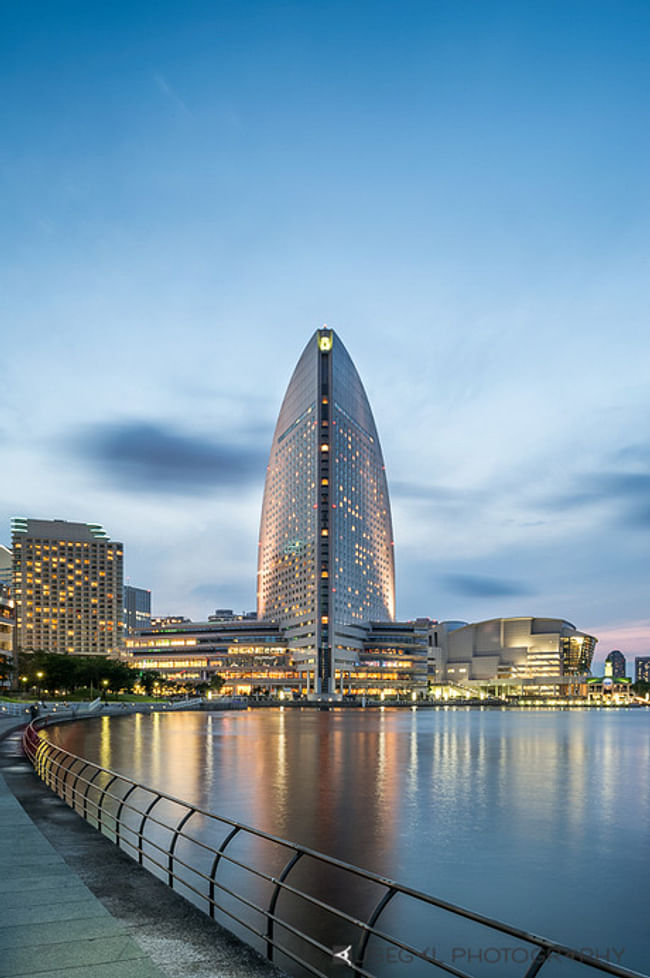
(461, 194)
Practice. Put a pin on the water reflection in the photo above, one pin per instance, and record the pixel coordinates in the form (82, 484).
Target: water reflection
(539, 818)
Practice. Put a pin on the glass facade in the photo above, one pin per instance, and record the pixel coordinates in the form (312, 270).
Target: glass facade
(137, 608)
(326, 540)
(577, 653)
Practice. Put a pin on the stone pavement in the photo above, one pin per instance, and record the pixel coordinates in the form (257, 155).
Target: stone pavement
(72, 904)
(50, 923)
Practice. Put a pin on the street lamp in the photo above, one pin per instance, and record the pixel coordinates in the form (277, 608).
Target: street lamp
(39, 676)
(105, 685)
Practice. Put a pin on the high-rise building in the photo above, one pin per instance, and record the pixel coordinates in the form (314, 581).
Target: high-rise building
(642, 669)
(7, 623)
(137, 609)
(6, 566)
(67, 587)
(616, 661)
(326, 541)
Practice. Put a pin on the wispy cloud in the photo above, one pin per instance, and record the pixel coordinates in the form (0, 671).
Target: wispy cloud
(480, 586)
(171, 93)
(627, 491)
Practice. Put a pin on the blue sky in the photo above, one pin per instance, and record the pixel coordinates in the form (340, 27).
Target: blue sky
(459, 189)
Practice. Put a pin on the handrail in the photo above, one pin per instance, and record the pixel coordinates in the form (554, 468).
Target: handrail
(14, 709)
(110, 811)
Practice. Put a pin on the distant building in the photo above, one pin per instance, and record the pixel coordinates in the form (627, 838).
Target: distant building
(227, 614)
(254, 655)
(616, 660)
(67, 587)
(642, 669)
(161, 621)
(512, 650)
(248, 654)
(7, 624)
(6, 566)
(609, 688)
(505, 655)
(137, 609)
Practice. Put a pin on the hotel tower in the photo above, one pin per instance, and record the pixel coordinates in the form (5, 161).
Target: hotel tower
(68, 587)
(325, 560)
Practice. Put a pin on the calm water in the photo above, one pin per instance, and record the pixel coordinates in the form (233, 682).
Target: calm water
(541, 819)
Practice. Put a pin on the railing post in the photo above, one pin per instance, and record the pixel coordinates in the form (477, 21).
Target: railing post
(100, 804)
(74, 786)
(142, 825)
(55, 753)
(215, 864)
(270, 914)
(40, 756)
(170, 858)
(118, 816)
(374, 917)
(89, 785)
(539, 962)
(68, 771)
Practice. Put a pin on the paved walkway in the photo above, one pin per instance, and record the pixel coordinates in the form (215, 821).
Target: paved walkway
(51, 924)
(72, 904)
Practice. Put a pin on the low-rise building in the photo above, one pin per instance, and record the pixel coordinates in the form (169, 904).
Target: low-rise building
(515, 654)
(504, 655)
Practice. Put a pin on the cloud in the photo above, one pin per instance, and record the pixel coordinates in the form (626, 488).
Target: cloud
(628, 492)
(148, 457)
(167, 90)
(478, 586)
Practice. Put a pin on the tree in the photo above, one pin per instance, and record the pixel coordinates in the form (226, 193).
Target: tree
(216, 682)
(148, 678)
(68, 673)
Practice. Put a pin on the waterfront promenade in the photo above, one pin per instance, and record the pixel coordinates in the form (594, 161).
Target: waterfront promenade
(74, 904)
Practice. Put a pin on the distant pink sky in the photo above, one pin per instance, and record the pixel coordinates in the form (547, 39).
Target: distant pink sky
(632, 638)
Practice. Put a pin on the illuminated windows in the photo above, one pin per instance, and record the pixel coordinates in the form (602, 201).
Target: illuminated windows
(326, 527)
(71, 597)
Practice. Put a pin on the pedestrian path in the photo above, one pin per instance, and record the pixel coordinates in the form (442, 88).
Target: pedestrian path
(51, 925)
(73, 904)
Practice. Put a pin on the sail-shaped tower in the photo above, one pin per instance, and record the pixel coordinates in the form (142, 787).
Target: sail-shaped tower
(326, 559)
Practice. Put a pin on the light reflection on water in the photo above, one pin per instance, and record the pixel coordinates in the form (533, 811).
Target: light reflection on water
(537, 818)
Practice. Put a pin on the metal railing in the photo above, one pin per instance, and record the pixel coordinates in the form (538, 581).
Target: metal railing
(14, 709)
(313, 929)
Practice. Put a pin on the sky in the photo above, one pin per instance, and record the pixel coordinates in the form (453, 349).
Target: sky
(460, 190)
